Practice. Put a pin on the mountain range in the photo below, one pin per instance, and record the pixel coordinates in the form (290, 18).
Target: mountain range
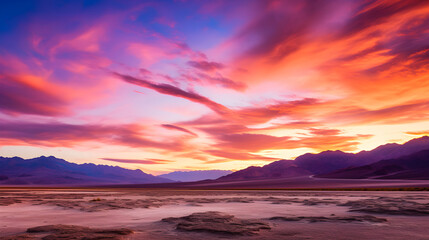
(50, 170)
(414, 166)
(192, 176)
(277, 169)
(324, 163)
(390, 161)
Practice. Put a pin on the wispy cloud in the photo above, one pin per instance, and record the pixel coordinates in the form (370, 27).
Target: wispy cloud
(30, 95)
(138, 161)
(175, 91)
(425, 132)
(205, 65)
(170, 126)
(56, 134)
(238, 155)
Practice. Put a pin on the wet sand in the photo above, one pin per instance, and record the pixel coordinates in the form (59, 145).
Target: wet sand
(215, 214)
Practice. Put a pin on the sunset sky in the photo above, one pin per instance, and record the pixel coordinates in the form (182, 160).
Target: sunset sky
(173, 85)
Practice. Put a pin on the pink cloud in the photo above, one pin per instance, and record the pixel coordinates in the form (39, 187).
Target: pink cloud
(175, 91)
(174, 127)
(205, 65)
(56, 134)
(28, 94)
(239, 155)
(138, 161)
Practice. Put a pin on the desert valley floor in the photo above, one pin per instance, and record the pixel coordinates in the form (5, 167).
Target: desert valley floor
(214, 214)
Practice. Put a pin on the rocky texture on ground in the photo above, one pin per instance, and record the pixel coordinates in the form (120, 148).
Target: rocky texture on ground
(219, 200)
(217, 222)
(346, 219)
(5, 201)
(96, 202)
(300, 214)
(20, 237)
(69, 232)
(308, 202)
(96, 205)
(386, 205)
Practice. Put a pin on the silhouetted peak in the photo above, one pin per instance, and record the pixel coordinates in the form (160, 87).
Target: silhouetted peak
(413, 166)
(330, 152)
(52, 170)
(281, 163)
(386, 146)
(424, 139)
(11, 158)
(52, 158)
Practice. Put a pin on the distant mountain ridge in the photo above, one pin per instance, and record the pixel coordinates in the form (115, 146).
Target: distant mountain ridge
(414, 166)
(386, 161)
(277, 169)
(51, 170)
(328, 161)
(191, 176)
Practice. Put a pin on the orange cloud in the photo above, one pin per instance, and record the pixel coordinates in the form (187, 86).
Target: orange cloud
(419, 133)
(238, 156)
(138, 161)
(55, 134)
(27, 94)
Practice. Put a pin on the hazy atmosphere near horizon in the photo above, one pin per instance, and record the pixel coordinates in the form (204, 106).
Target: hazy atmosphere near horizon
(214, 119)
(167, 86)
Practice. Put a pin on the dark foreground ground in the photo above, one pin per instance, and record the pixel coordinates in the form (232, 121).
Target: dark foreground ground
(212, 214)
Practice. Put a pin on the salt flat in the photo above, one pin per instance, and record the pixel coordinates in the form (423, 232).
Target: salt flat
(213, 214)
